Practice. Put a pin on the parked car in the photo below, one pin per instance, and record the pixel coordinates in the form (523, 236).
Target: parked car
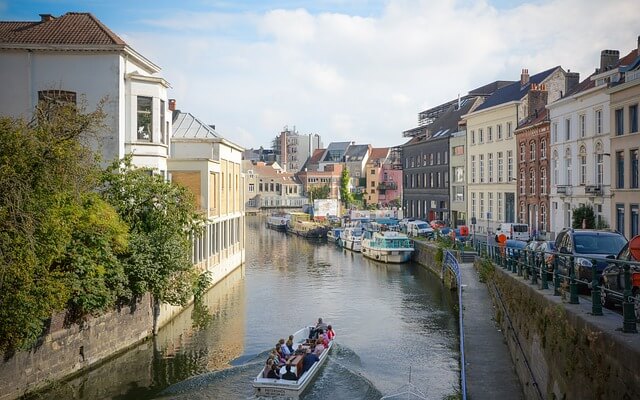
(513, 231)
(437, 224)
(612, 280)
(586, 245)
(547, 248)
(419, 228)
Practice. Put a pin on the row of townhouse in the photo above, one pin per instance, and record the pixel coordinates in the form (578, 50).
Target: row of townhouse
(531, 151)
(76, 58)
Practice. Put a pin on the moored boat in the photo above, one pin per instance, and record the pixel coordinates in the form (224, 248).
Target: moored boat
(351, 239)
(278, 222)
(333, 234)
(387, 246)
(301, 225)
(270, 387)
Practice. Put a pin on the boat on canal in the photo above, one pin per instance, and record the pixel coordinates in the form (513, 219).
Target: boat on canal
(300, 224)
(270, 387)
(387, 246)
(351, 238)
(334, 234)
(278, 222)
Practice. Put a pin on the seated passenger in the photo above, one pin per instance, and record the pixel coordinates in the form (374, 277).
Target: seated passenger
(280, 355)
(308, 360)
(290, 376)
(273, 373)
(318, 349)
(267, 367)
(330, 333)
(289, 346)
(324, 339)
(313, 332)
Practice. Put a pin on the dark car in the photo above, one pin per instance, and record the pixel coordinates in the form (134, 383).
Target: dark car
(586, 245)
(612, 279)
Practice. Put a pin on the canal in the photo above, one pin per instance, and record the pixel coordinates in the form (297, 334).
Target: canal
(389, 320)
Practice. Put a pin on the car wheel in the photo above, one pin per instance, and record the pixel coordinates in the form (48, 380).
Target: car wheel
(605, 298)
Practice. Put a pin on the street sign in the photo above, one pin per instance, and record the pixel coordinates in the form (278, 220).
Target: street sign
(473, 220)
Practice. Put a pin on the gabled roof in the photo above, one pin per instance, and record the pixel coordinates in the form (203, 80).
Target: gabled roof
(186, 126)
(336, 147)
(379, 154)
(356, 152)
(543, 116)
(515, 91)
(72, 28)
(590, 82)
(316, 156)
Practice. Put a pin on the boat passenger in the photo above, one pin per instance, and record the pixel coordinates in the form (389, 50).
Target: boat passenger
(286, 352)
(330, 333)
(308, 360)
(281, 358)
(289, 345)
(273, 373)
(267, 367)
(313, 332)
(290, 376)
(319, 349)
(324, 339)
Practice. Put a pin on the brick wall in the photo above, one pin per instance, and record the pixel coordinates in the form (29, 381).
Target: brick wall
(63, 351)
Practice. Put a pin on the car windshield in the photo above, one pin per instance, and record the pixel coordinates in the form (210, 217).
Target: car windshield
(520, 228)
(599, 244)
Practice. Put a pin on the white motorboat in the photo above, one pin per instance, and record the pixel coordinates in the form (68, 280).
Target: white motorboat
(387, 246)
(269, 387)
(278, 222)
(351, 239)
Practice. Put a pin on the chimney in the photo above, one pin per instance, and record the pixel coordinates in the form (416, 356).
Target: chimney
(572, 79)
(638, 45)
(537, 99)
(172, 104)
(524, 77)
(608, 59)
(46, 17)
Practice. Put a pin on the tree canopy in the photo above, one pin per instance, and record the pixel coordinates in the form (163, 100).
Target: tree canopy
(345, 192)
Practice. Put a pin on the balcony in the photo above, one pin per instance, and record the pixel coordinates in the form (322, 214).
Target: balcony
(382, 186)
(563, 190)
(594, 190)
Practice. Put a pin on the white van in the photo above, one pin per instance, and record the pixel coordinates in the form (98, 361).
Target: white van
(514, 231)
(419, 228)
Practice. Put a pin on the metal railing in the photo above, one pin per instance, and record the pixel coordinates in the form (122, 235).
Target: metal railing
(449, 261)
(560, 270)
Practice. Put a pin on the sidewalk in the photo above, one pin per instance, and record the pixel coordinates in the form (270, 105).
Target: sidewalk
(490, 371)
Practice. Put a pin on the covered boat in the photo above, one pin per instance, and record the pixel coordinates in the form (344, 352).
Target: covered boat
(301, 225)
(269, 387)
(278, 222)
(333, 235)
(387, 246)
(351, 239)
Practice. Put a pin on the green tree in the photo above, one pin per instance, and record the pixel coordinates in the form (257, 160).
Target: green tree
(163, 219)
(345, 193)
(319, 192)
(46, 171)
(584, 213)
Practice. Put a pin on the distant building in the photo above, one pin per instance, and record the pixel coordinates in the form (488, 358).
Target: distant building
(264, 155)
(292, 149)
(383, 178)
(329, 176)
(75, 57)
(268, 186)
(458, 176)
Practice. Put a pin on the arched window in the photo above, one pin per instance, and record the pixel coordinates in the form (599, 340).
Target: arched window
(555, 168)
(543, 181)
(568, 165)
(599, 163)
(543, 217)
(522, 181)
(522, 151)
(532, 182)
(543, 149)
(583, 165)
(532, 150)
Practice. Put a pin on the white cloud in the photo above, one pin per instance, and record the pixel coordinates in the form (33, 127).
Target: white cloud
(366, 78)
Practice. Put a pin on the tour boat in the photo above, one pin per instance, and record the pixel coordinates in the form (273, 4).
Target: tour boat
(278, 222)
(387, 246)
(269, 387)
(351, 239)
(300, 224)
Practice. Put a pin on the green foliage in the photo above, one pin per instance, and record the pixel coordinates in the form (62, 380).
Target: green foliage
(345, 193)
(319, 192)
(439, 257)
(394, 203)
(162, 218)
(486, 270)
(584, 213)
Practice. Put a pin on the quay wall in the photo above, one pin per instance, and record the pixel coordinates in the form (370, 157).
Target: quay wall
(425, 254)
(65, 350)
(560, 350)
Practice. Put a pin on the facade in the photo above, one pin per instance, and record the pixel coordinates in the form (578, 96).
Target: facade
(355, 160)
(329, 176)
(458, 174)
(625, 145)
(580, 147)
(268, 186)
(210, 166)
(383, 178)
(293, 149)
(492, 150)
(76, 58)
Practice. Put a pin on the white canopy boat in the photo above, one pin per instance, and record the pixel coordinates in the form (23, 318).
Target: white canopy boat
(269, 387)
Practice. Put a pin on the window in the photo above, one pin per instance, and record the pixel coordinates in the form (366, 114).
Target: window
(500, 166)
(635, 223)
(59, 97)
(582, 121)
(473, 169)
(481, 204)
(509, 165)
(509, 130)
(633, 161)
(432, 182)
(481, 168)
(373, 172)
(620, 218)
(568, 179)
(598, 121)
(499, 216)
(555, 169)
(489, 134)
(567, 129)
(543, 149)
(473, 204)
(521, 181)
(490, 206)
(430, 158)
(439, 179)
(620, 169)
(145, 117)
(499, 132)
(252, 187)
(599, 168)
(458, 174)
(554, 132)
(543, 181)
(445, 157)
(619, 122)
(522, 152)
(438, 158)
(543, 217)
(480, 136)
(458, 193)
(532, 151)
(490, 166)
(532, 182)
(163, 128)
(583, 165)
(633, 118)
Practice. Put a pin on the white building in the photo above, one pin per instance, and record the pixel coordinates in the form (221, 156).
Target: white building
(75, 57)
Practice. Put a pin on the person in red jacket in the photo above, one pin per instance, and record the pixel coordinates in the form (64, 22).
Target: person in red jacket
(330, 333)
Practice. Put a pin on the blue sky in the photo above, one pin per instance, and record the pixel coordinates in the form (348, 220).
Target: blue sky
(347, 69)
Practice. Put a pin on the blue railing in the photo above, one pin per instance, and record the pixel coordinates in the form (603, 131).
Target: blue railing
(452, 263)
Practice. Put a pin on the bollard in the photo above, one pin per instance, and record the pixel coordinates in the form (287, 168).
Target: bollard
(534, 269)
(573, 285)
(543, 272)
(596, 300)
(628, 311)
(556, 276)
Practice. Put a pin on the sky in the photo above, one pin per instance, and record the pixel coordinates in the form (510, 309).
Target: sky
(348, 70)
